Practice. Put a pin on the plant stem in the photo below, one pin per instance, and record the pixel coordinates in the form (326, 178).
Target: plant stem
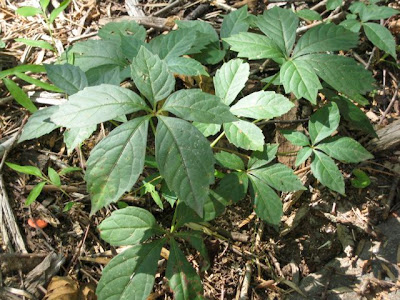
(271, 81)
(153, 128)
(174, 217)
(217, 139)
(232, 151)
(142, 186)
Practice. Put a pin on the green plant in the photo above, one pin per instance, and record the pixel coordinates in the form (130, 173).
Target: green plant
(181, 160)
(52, 178)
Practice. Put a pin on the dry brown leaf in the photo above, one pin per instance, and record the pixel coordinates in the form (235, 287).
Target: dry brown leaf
(205, 83)
(252, 4)
(62, 288)
(88, 291)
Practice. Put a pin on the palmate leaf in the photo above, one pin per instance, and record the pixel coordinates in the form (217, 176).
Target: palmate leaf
(115, 30)
(254, 46)
(71, 79)
(244, 135)
(185, 161)
(128, 226)
(299, 78)
(338, 71)
(262, 105)
(280, 177)
(380, 37)
(325, 170)
(233, 187)
(323, 122)
(195, 105)
(303, 154)
(116, 162)
(151, 76)
(229, 160)
(262, 158)
(186, 66)
(235, 22)
(207, 129)
(344, 149)
(39, 124)
(280, 26)
(296, 137)
(267, 205)
(130, 275)
(73, 137)
(230, 79)
(325, 37)
(182, 278)
(97, 104)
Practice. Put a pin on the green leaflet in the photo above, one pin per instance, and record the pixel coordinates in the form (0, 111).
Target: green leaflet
(325, 170)
(54, 14)
(128, 226)
(195, 105)
(352, 25)
(333, 4)
(151, 76)
(116, 162)
(186, 66)
(97, 104)
(71, 79)
(39, 124)
(245, 135)
(229, 160)
(230, 80)
(280, 177)
(299, 78)
(323, 122)
(28, 11)
(185, 161)
(196, 240)
(234, 23)
(130, 275)
(254, 46)
(309, 14)
(324, 38)
(130, 46)
(35, 43)
(30, 170)
(54, 177)
(115, 30)
(280, 26)
(74, 137)
(303, 155)
(267, 204)
(233, 187)
(262, 105)
(261, 158)
(107, 74)
(182, 278)
(207, 129)
(380, 37)
(344, 149)
(34, 193)
(19, 95)
(296, 138)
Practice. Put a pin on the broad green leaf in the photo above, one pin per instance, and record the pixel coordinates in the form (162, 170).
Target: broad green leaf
(196, 105)
(115, 31)
(130, 46)
(296, 137)
(173, 44)
(207, 129)
(34, 43)
(254, 46)
(94, 53)
(245, 135)
(233, 187)
(235, 22)
(28, 11)
(196, 240)
(351, 113)
(229, 160)
(97, 104)
(182, 278)
(205, 34)
(309, 14)
(375, 12)
(324, 38)
(333, 4)
(262, 105)
(300, 79)
(38, 82)
(380, 37)
(357, 7)
(34, 193)
(267, 205)
(44, 4)
(323, 122)
(151, 76)
(338, 71)
(150, 188)
(54, 177)
(30, 170)
(169, 196)
(19, 95)
(128, 226)
(361, 181)
(39, 124)
(279, 25)
(54, 14)
(74, 137)
(186, 66)
(130, 275)
(108, 74)
(230, 79)
(261, 158)
(211, 54)
(185, 161)
(280, 177)
(352, 25)
(21, 69)
(303, 155)
(325, 170)
(116, 162)
(344, 149)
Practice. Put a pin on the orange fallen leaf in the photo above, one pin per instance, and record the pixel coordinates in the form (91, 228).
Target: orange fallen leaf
(39, 223)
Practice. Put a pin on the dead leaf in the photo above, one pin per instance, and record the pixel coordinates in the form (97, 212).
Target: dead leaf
(62, 288)
(88, 291)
